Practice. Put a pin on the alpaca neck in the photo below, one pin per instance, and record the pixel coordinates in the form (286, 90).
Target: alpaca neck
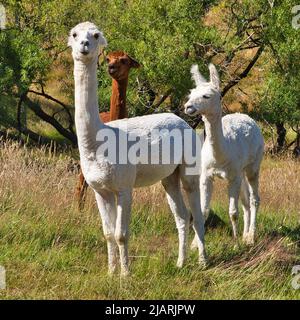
(214, 135)
(118, 108)
(86, 105)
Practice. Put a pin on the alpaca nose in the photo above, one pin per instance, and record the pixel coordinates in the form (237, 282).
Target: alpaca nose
(189, 109)
(85, 43)
(111, 68)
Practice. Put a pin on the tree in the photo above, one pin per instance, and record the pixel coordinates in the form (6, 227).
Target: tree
(280, 95)
(167, 37)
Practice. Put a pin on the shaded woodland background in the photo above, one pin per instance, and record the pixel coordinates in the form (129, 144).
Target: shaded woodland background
(253, 44)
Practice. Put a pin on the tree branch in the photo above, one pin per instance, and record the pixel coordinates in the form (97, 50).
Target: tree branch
(36, 108)
(47, 96)
(244, 73)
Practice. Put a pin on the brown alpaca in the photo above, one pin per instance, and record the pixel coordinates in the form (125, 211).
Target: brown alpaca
(119, 65)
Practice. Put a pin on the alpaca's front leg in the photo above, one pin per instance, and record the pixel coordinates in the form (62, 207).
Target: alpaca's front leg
(181, 215)
(193, 194)
(124, 200)
(108, 210)
(234, 188)
(206, 189)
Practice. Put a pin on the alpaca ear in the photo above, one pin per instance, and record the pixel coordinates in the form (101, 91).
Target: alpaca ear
(197, 76)
(101, 39)
(214, 76)
(70, 38)
(134, 63)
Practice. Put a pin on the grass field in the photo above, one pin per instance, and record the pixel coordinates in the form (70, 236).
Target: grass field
(52, 251)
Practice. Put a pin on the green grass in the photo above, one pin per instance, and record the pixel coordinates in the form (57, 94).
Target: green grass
(52, 251)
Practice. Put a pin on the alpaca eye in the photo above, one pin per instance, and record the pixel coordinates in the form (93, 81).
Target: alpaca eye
(96, 35)
(123, 60)
(206, 97)
(74, 35)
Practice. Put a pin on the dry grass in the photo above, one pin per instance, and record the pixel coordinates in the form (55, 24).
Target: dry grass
(51, 250)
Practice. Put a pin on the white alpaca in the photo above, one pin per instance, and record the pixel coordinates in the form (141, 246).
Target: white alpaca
(112, 182)
(233, 150)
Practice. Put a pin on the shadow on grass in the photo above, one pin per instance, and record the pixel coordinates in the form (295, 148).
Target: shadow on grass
(292, 234)
(214, 221)
(270, 247)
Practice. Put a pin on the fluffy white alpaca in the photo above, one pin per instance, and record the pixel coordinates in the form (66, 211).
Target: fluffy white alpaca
(233, 150)
(112, 182)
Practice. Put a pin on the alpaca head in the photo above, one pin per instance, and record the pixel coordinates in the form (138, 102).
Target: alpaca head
(119, 64)
(85, 40)
(205, 98)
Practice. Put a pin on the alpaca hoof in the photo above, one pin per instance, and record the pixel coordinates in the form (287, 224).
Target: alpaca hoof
(202, 263)
(179, 264)
(125, 273)
(111, 271)
(248, 240)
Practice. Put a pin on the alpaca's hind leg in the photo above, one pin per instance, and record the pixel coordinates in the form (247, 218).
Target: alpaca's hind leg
(254, 204)
(81, 191)
(245, 198)
(124, 200)
(191, 187)
(108, 211)
(178, 208)
(234, 187)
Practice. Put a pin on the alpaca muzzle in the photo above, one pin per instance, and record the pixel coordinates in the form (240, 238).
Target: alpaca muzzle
(190, 110)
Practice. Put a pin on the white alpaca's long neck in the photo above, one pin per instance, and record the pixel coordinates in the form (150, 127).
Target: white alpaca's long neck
(86, 105)
(214, 135)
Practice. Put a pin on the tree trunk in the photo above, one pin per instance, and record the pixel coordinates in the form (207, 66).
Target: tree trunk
(35, 107)
(281, 133)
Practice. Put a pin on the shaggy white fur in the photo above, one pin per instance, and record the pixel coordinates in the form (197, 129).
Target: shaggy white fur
(112, 182)
(233, 150)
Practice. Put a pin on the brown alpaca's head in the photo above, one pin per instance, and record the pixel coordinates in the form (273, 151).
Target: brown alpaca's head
(119, 63)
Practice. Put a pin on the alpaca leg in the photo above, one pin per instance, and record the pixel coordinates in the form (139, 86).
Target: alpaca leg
(107, 207)
(191, 187)
(254, 205)
(245, 198)
(206, 188)
(178, 208)
(124, 200)
(81, 191)
(233, 192)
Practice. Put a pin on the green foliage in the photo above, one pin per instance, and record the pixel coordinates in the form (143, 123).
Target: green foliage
(164, 36)
(280, 100)
(160, 35)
